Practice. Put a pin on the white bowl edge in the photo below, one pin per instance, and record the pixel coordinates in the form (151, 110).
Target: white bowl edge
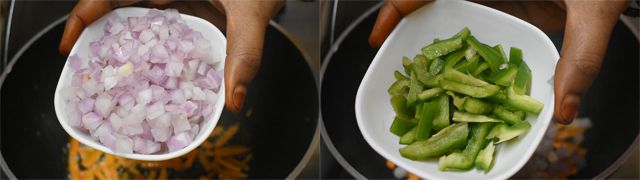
(545, 115)
(209, 31)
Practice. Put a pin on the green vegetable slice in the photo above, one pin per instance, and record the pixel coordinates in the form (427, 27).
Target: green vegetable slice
(455, 75)
(453, 58)
(515, 55)
(401, 126)
(485, 158)
(522, 82)
(407, 64)
(409, 137)
(468, 66)
(488, 54)
(442, 47)
(427, 115)
(481, 67)
(399, 76)
(430, 93)
(445, 141)
(504, 132)
(399, 87)
(523, 102)
(457, 101)
(465, 160)
(476, 106)
(473, 91)
(441, 121)
(436, 66)
(399, 104)
(468, 117)
(415, 88)
(508, 116)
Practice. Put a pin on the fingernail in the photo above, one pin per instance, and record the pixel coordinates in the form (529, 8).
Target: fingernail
(570, 107)
(238, 97)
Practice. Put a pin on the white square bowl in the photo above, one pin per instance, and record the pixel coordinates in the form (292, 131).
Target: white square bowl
(442, 19)
(93, 32)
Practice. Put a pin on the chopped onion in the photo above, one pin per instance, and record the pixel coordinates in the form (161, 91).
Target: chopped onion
(145, 86)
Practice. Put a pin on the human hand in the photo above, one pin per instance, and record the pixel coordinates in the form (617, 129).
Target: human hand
(587, 30)
(246, 22)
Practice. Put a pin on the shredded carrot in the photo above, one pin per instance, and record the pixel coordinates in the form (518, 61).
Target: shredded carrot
(390, 165)
(227, 135)
(163, 174)
(412, 176)
(152, 175)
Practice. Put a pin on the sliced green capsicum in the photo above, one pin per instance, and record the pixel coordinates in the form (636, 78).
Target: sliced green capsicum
(445, 141)
(465, 160)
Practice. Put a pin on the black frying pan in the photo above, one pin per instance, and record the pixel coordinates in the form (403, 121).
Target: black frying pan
(612, 103)
(283, 97)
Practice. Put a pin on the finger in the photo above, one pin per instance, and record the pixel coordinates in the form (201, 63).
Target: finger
(585, 43)
(389, 16)
(244, 51)
(83, 14)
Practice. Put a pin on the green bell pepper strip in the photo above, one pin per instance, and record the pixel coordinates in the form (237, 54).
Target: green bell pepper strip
(522, 82)
(508, 116)
(457, 101)
(399, 76)
(485, 158)
(500, 51)
(455, 75)
(504, 132)
(498, 98)
(432, 81)
(430, 93)
(436, 66)
(399, 87)
(401, 126)
(418, 110)
(414, 89)
(468, 117)
(445, 141)
(453, 58)
(481, 67)
(515, 55)
(504, 77)
(477, 106)
(468, 66)
(421, 67)
(523, 102)
(473, 91)
(441, 121)
(466, 159)
(407, 64)
(464, 33)
(409, 137)
(488, 54)
(399, 104)
(442, 47)
(428, 113)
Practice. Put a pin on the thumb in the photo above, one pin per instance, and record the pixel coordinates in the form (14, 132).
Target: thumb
(389, 16)
(244, 51)
(588, 27)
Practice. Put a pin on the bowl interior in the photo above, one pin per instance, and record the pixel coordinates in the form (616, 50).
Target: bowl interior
(95, 31)
(442, 19)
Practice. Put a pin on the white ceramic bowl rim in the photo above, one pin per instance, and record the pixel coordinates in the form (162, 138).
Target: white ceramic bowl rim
(209, 31)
